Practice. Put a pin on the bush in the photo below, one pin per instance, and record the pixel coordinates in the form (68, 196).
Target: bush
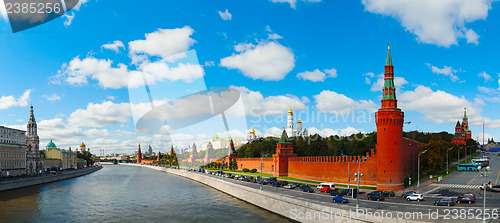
(245, 170)
(253, 171)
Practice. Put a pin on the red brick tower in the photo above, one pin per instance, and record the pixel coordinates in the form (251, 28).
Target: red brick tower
(139, 155)
(389, 134)
(280, 158)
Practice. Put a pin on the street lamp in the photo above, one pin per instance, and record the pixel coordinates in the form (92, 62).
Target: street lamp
(484, 172)
(447, 159)
(418, 176)
(222, 171)
(261, 166)
(358, 178)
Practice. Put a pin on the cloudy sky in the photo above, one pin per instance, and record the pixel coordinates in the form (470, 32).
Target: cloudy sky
(86, 73)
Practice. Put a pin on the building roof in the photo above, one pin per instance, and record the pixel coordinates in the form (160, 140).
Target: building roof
(284, 137)
(51, 144)
(82, 145)
(388, 61)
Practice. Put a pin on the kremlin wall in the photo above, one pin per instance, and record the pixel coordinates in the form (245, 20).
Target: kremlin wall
(393, 159)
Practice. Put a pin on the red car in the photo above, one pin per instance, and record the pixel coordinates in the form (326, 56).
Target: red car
(325, 189)
(467, 195)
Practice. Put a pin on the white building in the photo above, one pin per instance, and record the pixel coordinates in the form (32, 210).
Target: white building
(290, 131)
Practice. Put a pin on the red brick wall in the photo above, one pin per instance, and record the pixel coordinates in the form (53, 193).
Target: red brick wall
(410, 149)
(254, 163)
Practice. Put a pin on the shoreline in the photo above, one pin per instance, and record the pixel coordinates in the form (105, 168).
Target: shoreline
(16, 184)
(283, 205)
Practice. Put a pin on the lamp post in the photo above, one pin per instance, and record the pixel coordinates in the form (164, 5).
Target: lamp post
(447, 159)
(418, 180)
(261, 166)
(222, 171)
(348, 173)
(484, 172)
(358, 178)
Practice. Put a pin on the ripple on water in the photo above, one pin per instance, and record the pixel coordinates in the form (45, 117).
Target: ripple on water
(124, 194)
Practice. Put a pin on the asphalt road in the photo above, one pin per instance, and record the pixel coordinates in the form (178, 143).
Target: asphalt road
(475, 178)
(398, 204)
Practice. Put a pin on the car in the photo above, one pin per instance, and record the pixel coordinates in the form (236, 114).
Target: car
(335, 193)
(325, 189)
(340, 199)
(466, 200)
(377, 192)
(295, 185)
(254, 180)
(467, 195)
(388, 194)
(276, 184)
(283, 183)
(376, 197)
(407, 194)
(308, 189)
(444, 202)
(288, 186)
(304, 185)
(321, 185)
(263, 182)
(415, 197)
(349, 192)
(272, 179)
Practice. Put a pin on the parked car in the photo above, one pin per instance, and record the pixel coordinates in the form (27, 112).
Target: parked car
(307, 189)
(408, 194)
(349, 192)
(467, 195)
(466, 200)
(335, 193)
(377, 192)
(283, 183)
(304, 185)
(325, 189)
(254, 180)
(415, 197)
(288, 186)
(388, 194)
(276, 184)
(330, 185)
(264, 182)
(376, 197)
(444, 202)
(295, 185)
(272, 179)
(340, 199)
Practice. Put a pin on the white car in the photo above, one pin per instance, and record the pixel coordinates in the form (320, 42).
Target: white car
(415, 197)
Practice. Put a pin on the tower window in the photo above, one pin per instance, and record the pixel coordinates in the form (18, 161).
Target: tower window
(384, 171)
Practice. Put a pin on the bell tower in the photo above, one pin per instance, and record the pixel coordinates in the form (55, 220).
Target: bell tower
(389, 120)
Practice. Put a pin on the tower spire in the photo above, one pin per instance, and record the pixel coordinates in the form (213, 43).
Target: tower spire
(388, 61)
(465, 112)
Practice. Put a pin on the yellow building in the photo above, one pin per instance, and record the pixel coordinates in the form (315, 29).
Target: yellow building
(67, 157)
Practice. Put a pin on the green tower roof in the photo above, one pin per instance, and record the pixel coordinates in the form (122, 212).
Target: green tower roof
(388, 62)
(284, 137)
(51, 144)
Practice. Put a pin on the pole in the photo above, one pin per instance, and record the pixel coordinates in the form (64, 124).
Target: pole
(357, 191)
(484, 200)
(348, 174)
(261, 181)
(418, 176)
(447, 162)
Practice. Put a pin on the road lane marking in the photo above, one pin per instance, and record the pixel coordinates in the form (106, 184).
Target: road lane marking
(473, 178)
(496, 183)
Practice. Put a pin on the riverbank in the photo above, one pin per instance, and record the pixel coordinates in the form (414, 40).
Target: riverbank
(293, 208)
(15, 184)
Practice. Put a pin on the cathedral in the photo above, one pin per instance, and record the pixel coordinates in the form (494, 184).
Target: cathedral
(462, 131)
(34, 161)
(290, 131)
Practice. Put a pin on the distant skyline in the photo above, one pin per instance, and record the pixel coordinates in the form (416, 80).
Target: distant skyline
(325, 59)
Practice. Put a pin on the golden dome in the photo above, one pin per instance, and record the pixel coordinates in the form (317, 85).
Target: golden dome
(299, 121)
(82, 145)
(252, 131)
(290, 111)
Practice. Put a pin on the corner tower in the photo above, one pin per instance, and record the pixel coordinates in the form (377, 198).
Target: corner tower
(139, 155)
(389, 120)
(34, 161)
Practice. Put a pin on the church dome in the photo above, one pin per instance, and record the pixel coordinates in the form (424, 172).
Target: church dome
(290, 111)
(252, 131)
(82, 145)
(299, 121)
(51, 144)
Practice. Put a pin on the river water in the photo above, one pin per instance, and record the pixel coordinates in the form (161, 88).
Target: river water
(120, 193)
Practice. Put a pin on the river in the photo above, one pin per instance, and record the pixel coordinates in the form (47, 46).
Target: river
(120, 193)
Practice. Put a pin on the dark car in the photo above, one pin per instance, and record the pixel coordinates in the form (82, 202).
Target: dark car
(388, 194)
(295, 185)
(304, 185)
(408, 194)
(377, 192)
(272, 179)
(254, 180)
(276, 184)
(444, 202)
(283, 183)
(466, 200)
(376, 197)
(350, 192)
(335, 193)
(307, 189)
(340, 199)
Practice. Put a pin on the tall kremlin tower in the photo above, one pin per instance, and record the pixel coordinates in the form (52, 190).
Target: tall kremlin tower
(139, 155)
(389, 120)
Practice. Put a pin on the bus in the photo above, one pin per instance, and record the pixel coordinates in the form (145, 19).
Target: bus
(467, 167)
(482, 162)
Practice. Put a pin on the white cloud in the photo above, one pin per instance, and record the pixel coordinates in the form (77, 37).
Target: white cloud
(471, 36)
(110, 97)
(225, 15)
(99, 115)
(498, 83)
(434, 22)
(327, 132)
(3, 11)
(78, 71)
(69, 19)
(378, 85)
(332, 102)
(273, 131)
(243, 47)
(164, 42)
(293, 2)
(485, 76)
(209, 63)
(317, 75)
(447, 71)
(267, 61)
(115, 46)
(258, 105)
(53, 97)
(437, 106)
(274, 36)
(10, 101)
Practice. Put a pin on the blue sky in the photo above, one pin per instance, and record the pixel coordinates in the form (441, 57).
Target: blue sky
(321, 57)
